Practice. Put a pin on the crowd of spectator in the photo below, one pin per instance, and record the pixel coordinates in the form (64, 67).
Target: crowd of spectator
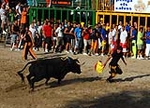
(74, 38)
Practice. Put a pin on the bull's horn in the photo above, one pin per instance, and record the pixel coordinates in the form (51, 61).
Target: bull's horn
(80, 63)
(76, 58)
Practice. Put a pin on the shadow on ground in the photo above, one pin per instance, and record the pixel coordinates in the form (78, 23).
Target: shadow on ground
(125, 99)
(52, 84)
(71, 81)
(131, 78)
(64, 82)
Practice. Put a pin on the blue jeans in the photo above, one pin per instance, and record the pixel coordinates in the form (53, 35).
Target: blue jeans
(79, 44)
(13, 38)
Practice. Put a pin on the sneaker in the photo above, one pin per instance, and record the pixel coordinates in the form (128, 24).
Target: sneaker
(34, 48)
(18, 49)
(4, 32)
(133, 57)
(96, 54)
(102, 54)
(46, 50)
(15, 49)
(146, 58)
(70, 51)
(90, 54)
(11, 49)
(141, 58)
(138, 58)
(67, 52)
(85, 54)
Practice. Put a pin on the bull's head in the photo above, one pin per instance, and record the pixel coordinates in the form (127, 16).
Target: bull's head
(74, 65)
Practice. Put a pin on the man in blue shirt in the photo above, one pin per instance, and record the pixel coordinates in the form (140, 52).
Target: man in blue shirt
(147, 41)
(127, 26)
(104, 41)
(133, 37)
(103, 38)
(78, 38)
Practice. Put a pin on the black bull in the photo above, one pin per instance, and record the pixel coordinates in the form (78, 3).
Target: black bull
(47, 68)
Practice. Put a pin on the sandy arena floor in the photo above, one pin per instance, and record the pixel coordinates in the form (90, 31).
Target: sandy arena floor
(87, 90)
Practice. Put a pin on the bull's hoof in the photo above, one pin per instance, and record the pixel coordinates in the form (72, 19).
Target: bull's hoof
(58, 83)
(46, 84)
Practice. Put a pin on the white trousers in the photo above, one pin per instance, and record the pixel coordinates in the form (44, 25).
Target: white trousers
(147, 50)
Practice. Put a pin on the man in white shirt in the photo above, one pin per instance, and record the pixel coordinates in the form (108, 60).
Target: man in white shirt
(60, 41)
(120, 26)
(3, 18)
(32, 29)
(33, 32)
(110, 40)
(39, 28)
(59, 32)
(18, 12)
(114, 32)
(123, 40)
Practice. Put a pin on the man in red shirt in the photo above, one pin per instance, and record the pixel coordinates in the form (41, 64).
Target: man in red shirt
(47, 33)
(86, 36)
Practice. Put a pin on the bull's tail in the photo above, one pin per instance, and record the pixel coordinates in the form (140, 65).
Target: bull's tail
(20, 72)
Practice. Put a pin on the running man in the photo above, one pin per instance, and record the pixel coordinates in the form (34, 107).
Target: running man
(29, 43)
(113, 65)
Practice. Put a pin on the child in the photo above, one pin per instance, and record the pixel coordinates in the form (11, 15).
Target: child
(113, 65)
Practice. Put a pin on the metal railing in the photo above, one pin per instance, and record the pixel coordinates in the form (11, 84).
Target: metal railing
(54, 13)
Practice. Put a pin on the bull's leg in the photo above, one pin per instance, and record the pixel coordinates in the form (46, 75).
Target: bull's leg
(35, 79)
(32, 85)
(59, 80)
(46, 82)
(29, 79)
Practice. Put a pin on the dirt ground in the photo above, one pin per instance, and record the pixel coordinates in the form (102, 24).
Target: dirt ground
(86, 90)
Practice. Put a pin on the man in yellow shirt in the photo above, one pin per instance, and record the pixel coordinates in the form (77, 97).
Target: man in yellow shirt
(140, 43)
